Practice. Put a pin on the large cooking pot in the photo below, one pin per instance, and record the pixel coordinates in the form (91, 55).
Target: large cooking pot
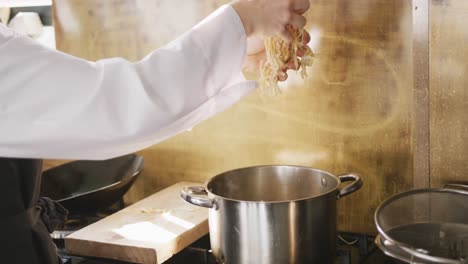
(272, 214)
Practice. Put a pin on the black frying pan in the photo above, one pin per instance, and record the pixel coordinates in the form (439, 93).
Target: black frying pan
(87, 186)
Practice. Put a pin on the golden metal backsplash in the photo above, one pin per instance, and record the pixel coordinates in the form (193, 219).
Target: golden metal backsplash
(449, 92)
(355, 112)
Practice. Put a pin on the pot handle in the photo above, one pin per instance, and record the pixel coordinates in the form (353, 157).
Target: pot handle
(194, 195)
(456, 186)
(356, 185)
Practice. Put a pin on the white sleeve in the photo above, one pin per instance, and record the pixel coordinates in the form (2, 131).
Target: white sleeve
(53, 105)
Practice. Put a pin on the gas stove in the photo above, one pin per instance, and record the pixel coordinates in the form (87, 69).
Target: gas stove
(352, 248)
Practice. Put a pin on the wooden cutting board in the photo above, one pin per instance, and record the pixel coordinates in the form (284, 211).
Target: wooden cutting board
(149, 231)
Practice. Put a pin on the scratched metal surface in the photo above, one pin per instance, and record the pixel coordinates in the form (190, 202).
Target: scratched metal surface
(448, 92)
(353, 113)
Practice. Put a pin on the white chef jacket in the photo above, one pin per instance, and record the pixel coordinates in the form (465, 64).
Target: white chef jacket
(53, 105)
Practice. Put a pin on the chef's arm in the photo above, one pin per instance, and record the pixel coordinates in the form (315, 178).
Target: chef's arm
(53, 105)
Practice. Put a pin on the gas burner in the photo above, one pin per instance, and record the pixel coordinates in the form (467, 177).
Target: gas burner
(75, 222)
(352, 248)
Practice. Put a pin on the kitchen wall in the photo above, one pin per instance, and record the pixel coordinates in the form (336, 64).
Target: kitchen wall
(364, 107)
(449, 92)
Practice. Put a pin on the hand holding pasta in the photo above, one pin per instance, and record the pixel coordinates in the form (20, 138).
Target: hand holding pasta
(277, 41)
(281, 56)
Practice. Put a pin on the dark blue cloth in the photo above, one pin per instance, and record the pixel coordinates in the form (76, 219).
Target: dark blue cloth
(26, 220)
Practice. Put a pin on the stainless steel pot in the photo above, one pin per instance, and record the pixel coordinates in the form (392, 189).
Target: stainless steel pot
(272, 214)
(425, 225)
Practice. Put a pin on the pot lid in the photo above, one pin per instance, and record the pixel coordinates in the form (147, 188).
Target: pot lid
(427, 225)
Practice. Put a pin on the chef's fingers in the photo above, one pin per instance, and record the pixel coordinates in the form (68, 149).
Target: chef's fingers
(291, 65)
(301, 51)
(297, 21)
(282, 76)
(286, 35)
(305, 37)
(300, 6)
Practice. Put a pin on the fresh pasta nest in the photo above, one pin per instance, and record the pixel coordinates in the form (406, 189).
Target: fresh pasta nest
(278, 54)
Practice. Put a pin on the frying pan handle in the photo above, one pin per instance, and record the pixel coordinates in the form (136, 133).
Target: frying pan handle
(356, 185)
(194, 195)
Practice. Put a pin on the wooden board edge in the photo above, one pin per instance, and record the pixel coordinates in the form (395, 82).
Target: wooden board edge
(111, 251)
(182, 242)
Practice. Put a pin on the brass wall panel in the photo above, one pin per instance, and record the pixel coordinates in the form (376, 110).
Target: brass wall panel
(448, 91)
(354, 112)
(95, 29)
(421, 142)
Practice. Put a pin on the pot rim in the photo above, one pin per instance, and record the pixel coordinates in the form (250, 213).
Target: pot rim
(338, 182)
(409, 249)
(407, 193)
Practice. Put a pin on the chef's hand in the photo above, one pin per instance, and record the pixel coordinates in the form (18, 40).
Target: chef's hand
(256, 54)
(263, 18)
(271, 17)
